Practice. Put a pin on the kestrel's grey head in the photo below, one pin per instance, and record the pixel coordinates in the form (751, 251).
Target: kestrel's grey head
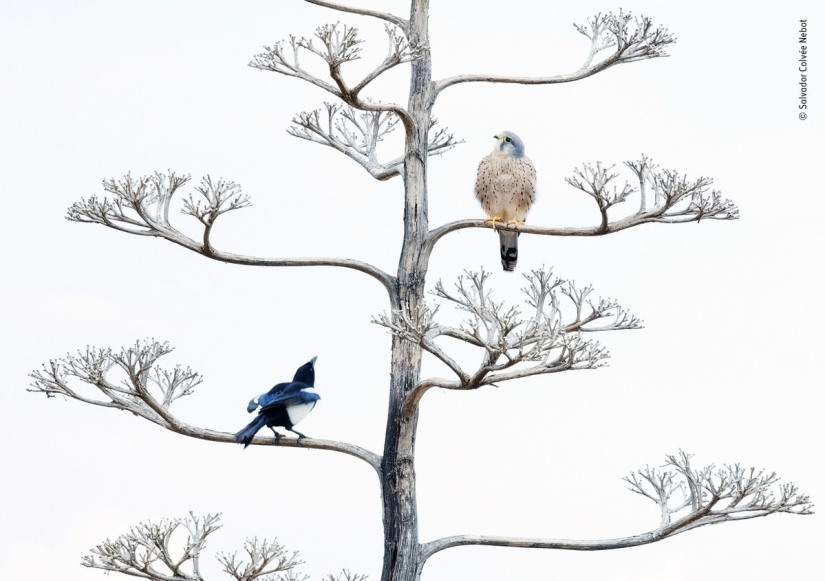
(510, 144)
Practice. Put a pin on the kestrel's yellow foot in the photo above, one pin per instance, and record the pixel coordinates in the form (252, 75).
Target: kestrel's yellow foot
(515, 223)
(492, 219)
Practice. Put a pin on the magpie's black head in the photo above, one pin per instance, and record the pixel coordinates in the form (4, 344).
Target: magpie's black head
(306, 373)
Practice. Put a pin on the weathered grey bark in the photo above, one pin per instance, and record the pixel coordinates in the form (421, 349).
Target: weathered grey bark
(402, 561)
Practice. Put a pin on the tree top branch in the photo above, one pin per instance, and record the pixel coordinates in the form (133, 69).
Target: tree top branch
(633, 39)
(391, 18)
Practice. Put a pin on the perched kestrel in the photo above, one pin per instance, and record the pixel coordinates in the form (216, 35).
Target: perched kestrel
(506, 188)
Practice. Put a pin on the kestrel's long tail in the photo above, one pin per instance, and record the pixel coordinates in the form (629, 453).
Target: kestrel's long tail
(509, 249)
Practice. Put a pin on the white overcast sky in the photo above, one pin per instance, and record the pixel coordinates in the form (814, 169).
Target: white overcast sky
(727, 367)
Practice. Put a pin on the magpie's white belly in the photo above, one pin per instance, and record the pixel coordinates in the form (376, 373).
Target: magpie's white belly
(298, 412)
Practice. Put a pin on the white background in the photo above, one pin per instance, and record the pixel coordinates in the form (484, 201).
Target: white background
(727, 366)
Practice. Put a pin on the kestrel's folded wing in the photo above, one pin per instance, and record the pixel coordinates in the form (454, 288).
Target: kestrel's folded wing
(484, 183)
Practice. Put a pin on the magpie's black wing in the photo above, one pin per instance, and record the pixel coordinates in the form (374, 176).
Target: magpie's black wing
(292, 394)
(279, 388)
(256, 401)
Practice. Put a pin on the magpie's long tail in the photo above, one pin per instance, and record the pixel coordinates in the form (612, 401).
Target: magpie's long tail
(509, 249)
(245, 435)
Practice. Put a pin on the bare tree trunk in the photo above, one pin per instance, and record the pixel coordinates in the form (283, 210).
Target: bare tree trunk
(400, 511)
(402, 552)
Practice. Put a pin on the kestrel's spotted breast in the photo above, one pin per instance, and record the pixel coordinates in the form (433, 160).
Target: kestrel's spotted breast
(506, 186)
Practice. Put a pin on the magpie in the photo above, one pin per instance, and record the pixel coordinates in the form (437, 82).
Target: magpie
(284, 405)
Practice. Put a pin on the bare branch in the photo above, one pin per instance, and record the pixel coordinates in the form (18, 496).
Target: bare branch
(275, 59)
(346, 575)
(399, 52)
(676, 200)
(632, 39)
(145, 552)
(440, 140)
(141, 206)
(715, 495)
(138, 207)
(148, 392)
(287, 576)
(391, 18)
(549, 339)
(594, 182)
(418, 327)
(642, 169)
(219, 198)
(708, 496)
(357, 136)
(265, 559)
(146, 547)
(338, 46)
(135, 394)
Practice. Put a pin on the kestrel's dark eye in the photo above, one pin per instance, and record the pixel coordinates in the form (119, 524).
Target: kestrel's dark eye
(507, 139)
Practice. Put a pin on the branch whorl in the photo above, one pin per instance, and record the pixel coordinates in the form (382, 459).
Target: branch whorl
(149, 391)
(548, 339)
(150, 551)
(141, 206)
(703, 497)
(357, 136)
(339, 46)
(146, 552)
(676, 200)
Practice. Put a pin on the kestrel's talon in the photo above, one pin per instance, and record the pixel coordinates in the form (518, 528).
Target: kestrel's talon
(515, 223)
(493, 219)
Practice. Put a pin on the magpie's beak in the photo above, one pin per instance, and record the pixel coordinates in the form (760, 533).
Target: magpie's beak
(313, 360)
